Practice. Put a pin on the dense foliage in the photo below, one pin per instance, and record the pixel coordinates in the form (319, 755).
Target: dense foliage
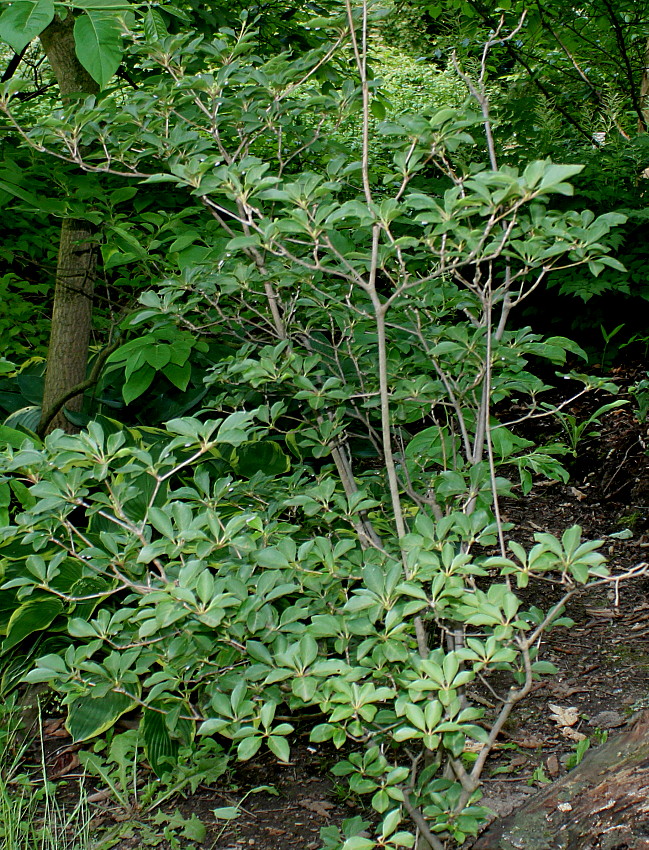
(329, 287)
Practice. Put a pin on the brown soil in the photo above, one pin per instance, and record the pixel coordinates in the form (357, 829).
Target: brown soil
(603, 666)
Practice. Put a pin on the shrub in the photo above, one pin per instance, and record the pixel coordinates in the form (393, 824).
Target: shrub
(321, 542)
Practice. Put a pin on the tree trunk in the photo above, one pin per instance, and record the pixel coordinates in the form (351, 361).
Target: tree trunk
(75, 274)
(644, 90)
(602, 803)
(67, 355)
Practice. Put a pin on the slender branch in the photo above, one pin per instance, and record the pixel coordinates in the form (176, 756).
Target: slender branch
(626, 62)
(360, 54)
(420, 822)
(487, 424)
(12, 65)
(514, 697)
(78, 389)
(517, 56)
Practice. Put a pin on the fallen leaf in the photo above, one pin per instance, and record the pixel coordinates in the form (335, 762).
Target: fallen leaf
(564, 716)
(577, 494)
(528, 743)
(65, 762)
(320, 807)
(572, 734)
(625, 534)
(55, 728)
(600, 612)
(99, 796)
(552, 765)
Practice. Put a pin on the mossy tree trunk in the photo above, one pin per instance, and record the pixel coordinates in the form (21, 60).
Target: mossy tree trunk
(75, 274)
(604, 803)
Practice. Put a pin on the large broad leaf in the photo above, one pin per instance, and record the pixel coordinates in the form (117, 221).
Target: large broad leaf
(103, 4)
(88, 717)
(260, 456)
(69, 572)
(179, 375)
(23, 21)
(89, 586)
(161, 748)
(138, 383)
(32, 616)
(38, 202)
(98, 44)
(26, 417)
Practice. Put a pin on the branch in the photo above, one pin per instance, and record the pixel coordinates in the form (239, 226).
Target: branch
(12, 67)
(619, 38)
(421, 824)
(517, 56)
(78, 389)
(582, 74)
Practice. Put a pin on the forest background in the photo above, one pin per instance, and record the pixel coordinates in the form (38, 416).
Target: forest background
(282, 289)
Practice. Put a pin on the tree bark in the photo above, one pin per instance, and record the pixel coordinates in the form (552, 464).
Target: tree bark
(602, 803)
(75, 274)
(67, 355)
(644, 90)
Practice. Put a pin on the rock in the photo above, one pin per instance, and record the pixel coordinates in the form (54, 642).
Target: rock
(607, 720)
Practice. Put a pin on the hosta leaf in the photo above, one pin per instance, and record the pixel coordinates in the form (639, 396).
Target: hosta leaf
(88, 717)
(32, 616)
(12, 437)
(161, 749)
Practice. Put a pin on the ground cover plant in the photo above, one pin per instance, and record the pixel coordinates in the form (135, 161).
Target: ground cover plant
(325, 535)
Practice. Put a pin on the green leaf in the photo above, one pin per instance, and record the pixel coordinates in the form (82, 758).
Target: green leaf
(226, 813)
(32, 616)
(357, 842)
(88, 717)
(161, 522)
(138, 383)
(98, 44)
(248, 747)
(38, 202)
(555, 175)
(378, 109)
(103, 5)
(23, 21)
(260, 456)
(194, 829)
(12, 437)
(154, 26)
(179, 375)
(5, 499)
(78, 627)
(161, 749)
(280, 747)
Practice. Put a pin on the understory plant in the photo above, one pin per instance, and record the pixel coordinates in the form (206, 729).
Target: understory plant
(31, 816)
(325, 536)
